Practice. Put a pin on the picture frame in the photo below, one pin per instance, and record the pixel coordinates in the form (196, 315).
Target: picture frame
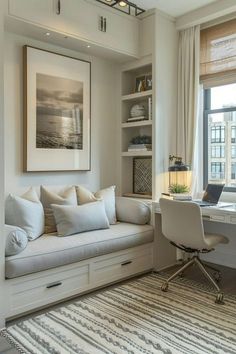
(142, 175)
(57, 112)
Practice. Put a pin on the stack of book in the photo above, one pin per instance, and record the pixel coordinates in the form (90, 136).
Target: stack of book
(140, 147)
(136, 119)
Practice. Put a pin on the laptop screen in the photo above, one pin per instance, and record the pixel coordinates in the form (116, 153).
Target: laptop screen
(212, 193)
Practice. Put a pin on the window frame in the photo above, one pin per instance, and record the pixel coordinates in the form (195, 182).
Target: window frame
(206, 111)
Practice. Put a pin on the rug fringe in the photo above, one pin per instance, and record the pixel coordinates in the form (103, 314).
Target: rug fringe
(9, 338)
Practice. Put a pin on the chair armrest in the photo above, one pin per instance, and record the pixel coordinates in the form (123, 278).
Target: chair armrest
(132, 211)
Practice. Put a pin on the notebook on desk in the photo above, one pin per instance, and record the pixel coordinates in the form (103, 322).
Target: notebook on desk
(211, 196)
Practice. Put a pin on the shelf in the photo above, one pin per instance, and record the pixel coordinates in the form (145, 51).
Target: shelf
(136, 153)
(141, 123)
(134, 96)
(141, 196)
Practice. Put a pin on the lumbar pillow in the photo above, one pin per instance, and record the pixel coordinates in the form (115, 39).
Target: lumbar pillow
(16, 240)
(76, 219)
(26, 212)
(107, 195)
(65, 197)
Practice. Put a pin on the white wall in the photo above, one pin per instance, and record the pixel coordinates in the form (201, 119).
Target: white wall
(103, 122)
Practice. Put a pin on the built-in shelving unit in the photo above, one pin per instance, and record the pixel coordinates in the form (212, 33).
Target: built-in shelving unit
(137, 95)
(142, 123)
(131, 156)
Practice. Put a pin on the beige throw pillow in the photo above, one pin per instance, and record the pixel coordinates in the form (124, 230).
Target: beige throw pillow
(107, 195)
(84, 196)
(65, 197)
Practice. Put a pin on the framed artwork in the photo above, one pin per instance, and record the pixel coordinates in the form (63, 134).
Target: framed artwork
(142, 175)
(57, 106)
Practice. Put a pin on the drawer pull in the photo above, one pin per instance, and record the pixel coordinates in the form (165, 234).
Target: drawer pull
(53, 285)
(126, 263)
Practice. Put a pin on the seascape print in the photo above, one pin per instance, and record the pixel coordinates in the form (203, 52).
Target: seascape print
(59, 114)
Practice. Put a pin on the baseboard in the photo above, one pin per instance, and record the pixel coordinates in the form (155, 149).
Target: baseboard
(225, 259)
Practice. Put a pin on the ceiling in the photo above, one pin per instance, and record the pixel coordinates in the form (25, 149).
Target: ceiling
(174, 8)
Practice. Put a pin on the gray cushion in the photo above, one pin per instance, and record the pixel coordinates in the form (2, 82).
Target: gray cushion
(133, 211)
(16, 240)
(52, 251)
(76, 219)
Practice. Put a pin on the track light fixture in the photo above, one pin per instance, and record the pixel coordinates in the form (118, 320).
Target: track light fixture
(124, 6)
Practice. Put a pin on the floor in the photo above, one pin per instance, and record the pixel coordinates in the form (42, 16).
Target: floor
(228, 285)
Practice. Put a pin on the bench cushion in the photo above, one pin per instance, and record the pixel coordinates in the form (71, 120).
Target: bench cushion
(52, 251)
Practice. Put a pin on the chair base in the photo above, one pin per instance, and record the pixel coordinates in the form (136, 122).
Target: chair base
(196, 260)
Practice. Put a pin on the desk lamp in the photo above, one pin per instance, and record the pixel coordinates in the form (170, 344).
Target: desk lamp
(179, 176)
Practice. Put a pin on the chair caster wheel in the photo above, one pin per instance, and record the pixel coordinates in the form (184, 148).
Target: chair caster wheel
(164, 287)
(219, 299)
(217, 277)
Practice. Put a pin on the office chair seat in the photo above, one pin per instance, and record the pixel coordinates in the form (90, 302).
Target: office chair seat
(182, 225)
(212, 240)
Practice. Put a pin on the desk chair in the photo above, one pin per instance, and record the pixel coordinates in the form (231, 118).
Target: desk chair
(182, 226)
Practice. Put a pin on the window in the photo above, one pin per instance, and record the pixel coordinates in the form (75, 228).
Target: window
(233, 170)
(233, 134)
(233, 151)
(220, 135)
(218, 151)
(217, 170)
(217, 134)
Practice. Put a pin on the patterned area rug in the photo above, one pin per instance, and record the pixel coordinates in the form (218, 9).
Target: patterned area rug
(132, 318)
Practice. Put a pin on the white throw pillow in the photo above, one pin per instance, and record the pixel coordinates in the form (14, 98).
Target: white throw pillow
(108, 195)
(16, 240)
(64, 197)
(76, 219)
(26, 212)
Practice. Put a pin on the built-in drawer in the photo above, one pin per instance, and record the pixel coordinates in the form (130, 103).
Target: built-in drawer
(42, 290)
(123, 265)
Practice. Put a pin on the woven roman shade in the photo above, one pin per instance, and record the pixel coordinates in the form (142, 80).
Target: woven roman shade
(218, 54)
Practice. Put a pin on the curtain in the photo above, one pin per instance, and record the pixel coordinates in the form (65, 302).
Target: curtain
(188, 92)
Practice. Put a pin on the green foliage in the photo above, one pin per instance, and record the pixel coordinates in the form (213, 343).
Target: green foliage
(178, 188)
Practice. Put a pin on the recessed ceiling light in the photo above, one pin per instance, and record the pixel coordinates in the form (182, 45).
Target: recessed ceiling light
(47, 34)
(88, 46)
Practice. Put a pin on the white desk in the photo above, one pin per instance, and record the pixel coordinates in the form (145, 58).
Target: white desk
(165, 253)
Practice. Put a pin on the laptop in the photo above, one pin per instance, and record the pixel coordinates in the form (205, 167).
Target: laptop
(211, 196)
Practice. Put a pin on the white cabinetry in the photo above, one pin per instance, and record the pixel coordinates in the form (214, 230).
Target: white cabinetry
(32, 291)
(81, 19)
(133, 153)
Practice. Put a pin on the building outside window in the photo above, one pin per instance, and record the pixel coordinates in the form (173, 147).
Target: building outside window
(220, 135)
(218, 151)
(217, 170)
(217, 134)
